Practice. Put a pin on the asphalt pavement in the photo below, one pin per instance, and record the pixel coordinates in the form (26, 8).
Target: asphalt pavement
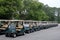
(46, 34)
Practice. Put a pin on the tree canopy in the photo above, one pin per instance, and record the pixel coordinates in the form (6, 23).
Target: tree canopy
(26, 10)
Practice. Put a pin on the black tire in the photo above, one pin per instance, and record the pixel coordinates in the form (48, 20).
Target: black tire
(23, 33)
(33, 30)
(14, 35)
(0, 33)
(36, 29)
(7, 35)
(28, 31)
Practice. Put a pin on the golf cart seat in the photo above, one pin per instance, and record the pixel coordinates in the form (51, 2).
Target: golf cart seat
(30, 26)
(4, 27)
(19, 27)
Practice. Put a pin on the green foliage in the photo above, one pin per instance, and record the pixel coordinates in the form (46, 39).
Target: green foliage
(58, 17)
(28, 10)
(33, 10)
(50, 12)
(7, 7)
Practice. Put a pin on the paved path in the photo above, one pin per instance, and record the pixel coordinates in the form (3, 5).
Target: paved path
(46, 34)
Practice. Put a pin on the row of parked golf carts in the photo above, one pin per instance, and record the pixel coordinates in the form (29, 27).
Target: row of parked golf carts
(14, 28)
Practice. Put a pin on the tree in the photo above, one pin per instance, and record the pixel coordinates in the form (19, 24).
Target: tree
(35, 11)
(7, 7)
(22, 9)
(50, 11)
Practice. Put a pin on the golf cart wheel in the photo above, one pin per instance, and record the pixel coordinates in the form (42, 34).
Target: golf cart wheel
(23, 33)
(14, 35)
(28, 31)
(0, 33)
(7, 35)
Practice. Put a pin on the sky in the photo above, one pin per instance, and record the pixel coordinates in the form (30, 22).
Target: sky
(51, 3)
